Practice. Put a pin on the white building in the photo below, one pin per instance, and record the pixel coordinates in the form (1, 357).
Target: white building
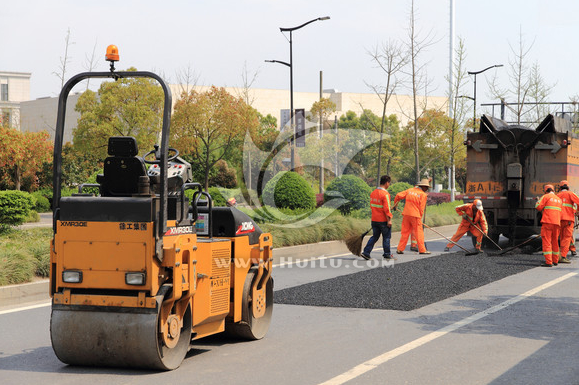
(14, 89)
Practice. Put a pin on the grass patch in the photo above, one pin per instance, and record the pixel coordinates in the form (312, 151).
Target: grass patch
(24, 254)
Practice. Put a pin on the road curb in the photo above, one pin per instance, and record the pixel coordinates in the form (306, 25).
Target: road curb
(26, 292)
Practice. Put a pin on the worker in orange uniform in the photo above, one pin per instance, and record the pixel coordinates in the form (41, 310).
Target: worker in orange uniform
(381, 219)
(569, 200)
(551, 205)
(472, 215)
(412, 215)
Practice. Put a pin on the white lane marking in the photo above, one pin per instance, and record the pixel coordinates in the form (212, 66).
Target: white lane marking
(331, 256)
(387, 356)
(24, 308)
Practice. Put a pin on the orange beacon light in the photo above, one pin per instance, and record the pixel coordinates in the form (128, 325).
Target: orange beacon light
(112, 53)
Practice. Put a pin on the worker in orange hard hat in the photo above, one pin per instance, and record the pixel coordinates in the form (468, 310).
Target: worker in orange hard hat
(569, 200)
(473, 220)
(412, 215)
(550, 205)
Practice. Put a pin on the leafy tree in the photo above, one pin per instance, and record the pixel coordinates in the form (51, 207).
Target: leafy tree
(206, 126)
(126, 107)
(23, 155)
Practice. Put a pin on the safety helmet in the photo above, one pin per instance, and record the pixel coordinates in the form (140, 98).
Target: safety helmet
(564, 184)
(478, 204)
(549, 187)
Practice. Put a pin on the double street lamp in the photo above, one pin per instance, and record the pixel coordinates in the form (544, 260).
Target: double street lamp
(290, 65)
(474, 98)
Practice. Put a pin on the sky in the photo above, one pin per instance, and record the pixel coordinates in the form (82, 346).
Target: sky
(216, 39)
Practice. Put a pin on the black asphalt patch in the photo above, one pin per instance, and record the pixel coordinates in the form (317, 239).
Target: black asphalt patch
(410, 285)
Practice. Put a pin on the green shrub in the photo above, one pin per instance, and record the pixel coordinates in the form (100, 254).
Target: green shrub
(42, 204)
(218, 199)
(289, 190)
(33, 216)
(216, 196)
(397, 187)
(269, 189)
(350, 188)
(15, 207)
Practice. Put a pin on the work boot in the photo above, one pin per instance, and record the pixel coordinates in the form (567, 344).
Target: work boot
(399, 251)
(564, 260)
(413, 248)
(573, 253)
(545, 264)
(447, 248)
(389, 256)
(365, 256)
(425, 252)
(479, 251)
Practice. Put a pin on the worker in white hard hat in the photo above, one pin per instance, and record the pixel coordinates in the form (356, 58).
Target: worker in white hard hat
(472, 217)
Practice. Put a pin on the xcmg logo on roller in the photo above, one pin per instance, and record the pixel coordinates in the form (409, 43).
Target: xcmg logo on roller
(73, 224)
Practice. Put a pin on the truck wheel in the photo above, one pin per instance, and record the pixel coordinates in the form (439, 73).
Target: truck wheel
(250, 327)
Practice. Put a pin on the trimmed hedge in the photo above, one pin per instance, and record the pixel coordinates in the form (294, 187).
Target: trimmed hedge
(437, 198)
(351, 188)
(42, 203)
(289, 190)
(15, 206)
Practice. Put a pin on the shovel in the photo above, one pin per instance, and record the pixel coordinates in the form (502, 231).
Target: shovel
(483, 233)
(468, 252)
(519, 245)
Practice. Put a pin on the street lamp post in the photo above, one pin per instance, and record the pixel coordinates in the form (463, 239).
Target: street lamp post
(290, 65)
(474, 95)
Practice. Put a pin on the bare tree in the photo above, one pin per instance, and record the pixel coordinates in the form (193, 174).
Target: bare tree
(248, 78)
(244, 93)
(458, 108)
(416, 44)
(187, 78)
(61, 73)
(539, 92)
(90, 62)
(519, 74)
(391, 60)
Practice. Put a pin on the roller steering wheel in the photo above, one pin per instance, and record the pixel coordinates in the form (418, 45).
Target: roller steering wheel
(158, 155)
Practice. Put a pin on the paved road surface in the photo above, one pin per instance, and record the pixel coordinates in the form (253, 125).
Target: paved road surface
(522, 329)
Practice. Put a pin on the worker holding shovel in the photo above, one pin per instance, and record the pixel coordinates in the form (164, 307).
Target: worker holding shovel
(473, 220)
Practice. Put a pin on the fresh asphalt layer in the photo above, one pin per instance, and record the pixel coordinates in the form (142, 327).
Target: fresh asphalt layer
(410, 285)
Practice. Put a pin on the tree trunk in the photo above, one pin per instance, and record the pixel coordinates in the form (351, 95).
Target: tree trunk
(17, 177)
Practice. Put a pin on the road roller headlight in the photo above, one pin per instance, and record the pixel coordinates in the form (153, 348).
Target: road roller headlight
(72, 276)
(135, 278)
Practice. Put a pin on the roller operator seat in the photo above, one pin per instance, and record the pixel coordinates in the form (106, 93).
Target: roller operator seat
(122, 168)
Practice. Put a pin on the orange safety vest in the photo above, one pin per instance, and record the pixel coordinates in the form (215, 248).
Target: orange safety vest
(568, 198)
(415, 201)
(380, 205)
(478, 219)
(551, 206)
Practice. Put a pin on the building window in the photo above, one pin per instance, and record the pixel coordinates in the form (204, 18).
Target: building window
(4, 92)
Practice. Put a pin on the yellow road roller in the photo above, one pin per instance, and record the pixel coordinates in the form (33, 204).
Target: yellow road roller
(138, 270)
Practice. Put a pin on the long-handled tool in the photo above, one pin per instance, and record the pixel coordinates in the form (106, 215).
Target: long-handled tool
(468, 252)
(519, 245)
(483, 233)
